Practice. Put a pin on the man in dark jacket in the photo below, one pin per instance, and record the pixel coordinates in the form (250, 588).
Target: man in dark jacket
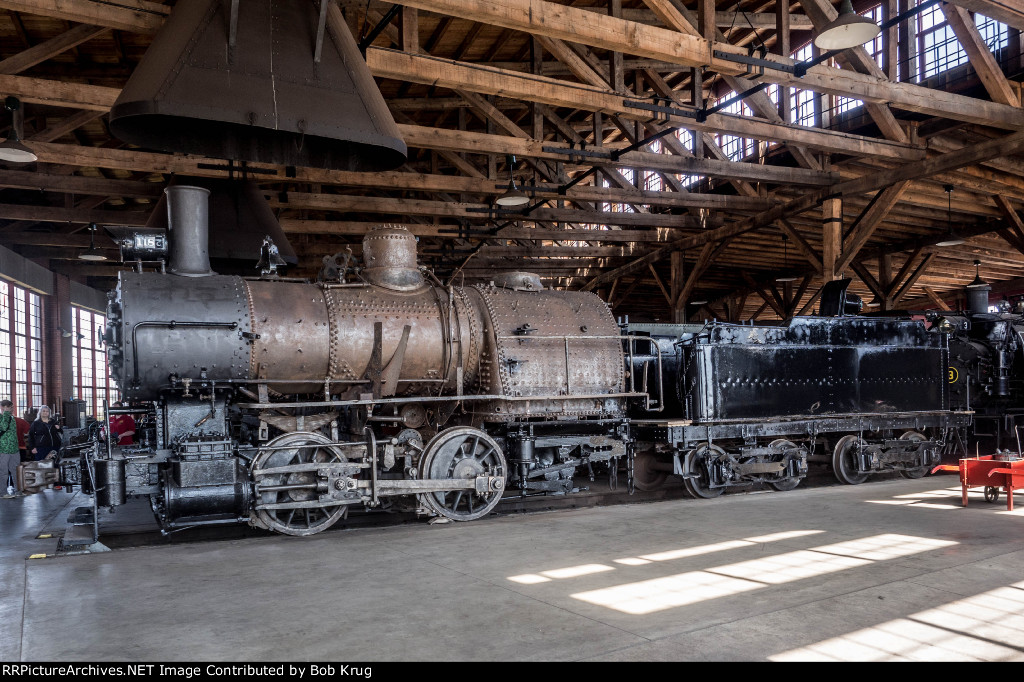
(43, 435)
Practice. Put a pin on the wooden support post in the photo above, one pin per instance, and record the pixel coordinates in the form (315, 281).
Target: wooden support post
(615, 70)
(782, 48)
(905, 49)
(890, 41)
(831, 236)
(885, 277)
(676, 284)
(409, 30)
(706, 19)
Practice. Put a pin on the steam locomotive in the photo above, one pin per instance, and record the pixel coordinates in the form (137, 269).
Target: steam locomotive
(986, 370)
(284, 403)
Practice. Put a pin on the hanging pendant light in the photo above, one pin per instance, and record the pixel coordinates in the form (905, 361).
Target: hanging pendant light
(512, 196)
(785, 261)
(12, 149)
(847, 30)
(92, 253)
(952, 238)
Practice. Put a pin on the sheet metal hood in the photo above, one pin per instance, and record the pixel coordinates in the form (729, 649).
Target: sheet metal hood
(261, 97)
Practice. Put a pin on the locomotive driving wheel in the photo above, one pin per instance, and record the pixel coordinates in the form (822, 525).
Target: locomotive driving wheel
(788, 483)
(919, 472)
(844, 464)
(462, 452)
(297, 488)
(698, 462)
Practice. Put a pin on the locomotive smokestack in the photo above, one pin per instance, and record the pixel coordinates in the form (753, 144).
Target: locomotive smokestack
(389, 257)
(188, 224)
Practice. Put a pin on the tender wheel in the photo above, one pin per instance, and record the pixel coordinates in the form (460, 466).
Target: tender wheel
(991, 494)
(297, 487)
(789, 483)
(462, 452)
(696, 462)
(645, 477)
(919, 472)
(843, 465)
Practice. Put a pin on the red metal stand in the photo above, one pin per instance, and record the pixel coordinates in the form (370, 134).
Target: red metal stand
(990, 473)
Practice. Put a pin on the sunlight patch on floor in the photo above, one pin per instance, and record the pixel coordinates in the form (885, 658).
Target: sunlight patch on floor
(985, 627)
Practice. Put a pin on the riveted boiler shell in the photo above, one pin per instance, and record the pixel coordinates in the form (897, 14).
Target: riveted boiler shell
(151, 350)
(294, 334)
(572, 347)
(354, 311)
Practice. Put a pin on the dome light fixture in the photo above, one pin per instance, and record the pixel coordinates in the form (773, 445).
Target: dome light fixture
(512, 197)
(13, 149)
(92, 253)
(847, 30)
(978, 281)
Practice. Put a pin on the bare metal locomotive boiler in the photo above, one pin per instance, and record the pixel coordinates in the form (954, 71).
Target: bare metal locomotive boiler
(284, 402)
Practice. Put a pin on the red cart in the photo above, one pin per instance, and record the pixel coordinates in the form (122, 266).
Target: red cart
(991, 472)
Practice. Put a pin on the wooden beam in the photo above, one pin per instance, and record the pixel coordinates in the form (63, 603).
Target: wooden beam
(769, 300)
(661, 285)
(869, 280)
(66, 125)
(935, 298)
(127, 15)
(492, 81)
(591, 28)
(983, 151)
(982, 59)
(801, 244)
(913, 278)
(51, 214)
(1007, 11)
(598, 30)
(359, 228)
(821, 13)
(874, 213)
(50, 48)
(79, 185)
(1016, 224)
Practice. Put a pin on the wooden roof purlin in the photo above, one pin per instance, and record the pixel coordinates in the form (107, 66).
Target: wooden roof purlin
(578, 91)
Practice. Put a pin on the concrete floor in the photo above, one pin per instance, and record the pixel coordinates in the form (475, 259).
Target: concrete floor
(888, 570)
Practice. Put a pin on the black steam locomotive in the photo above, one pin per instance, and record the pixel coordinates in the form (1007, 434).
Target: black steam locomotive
(986, 365)
(283, 403)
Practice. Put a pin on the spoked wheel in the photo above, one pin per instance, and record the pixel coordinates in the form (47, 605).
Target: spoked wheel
(991, 494)
(295, 488)
(789, 483)
(462, 452)
(844, 465)
(697, 462)
(919, 472)
(645, 476)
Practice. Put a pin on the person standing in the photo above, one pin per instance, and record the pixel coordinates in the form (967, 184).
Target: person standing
(123, 427)
(9, 455)
(43, 435)
(23, 427)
